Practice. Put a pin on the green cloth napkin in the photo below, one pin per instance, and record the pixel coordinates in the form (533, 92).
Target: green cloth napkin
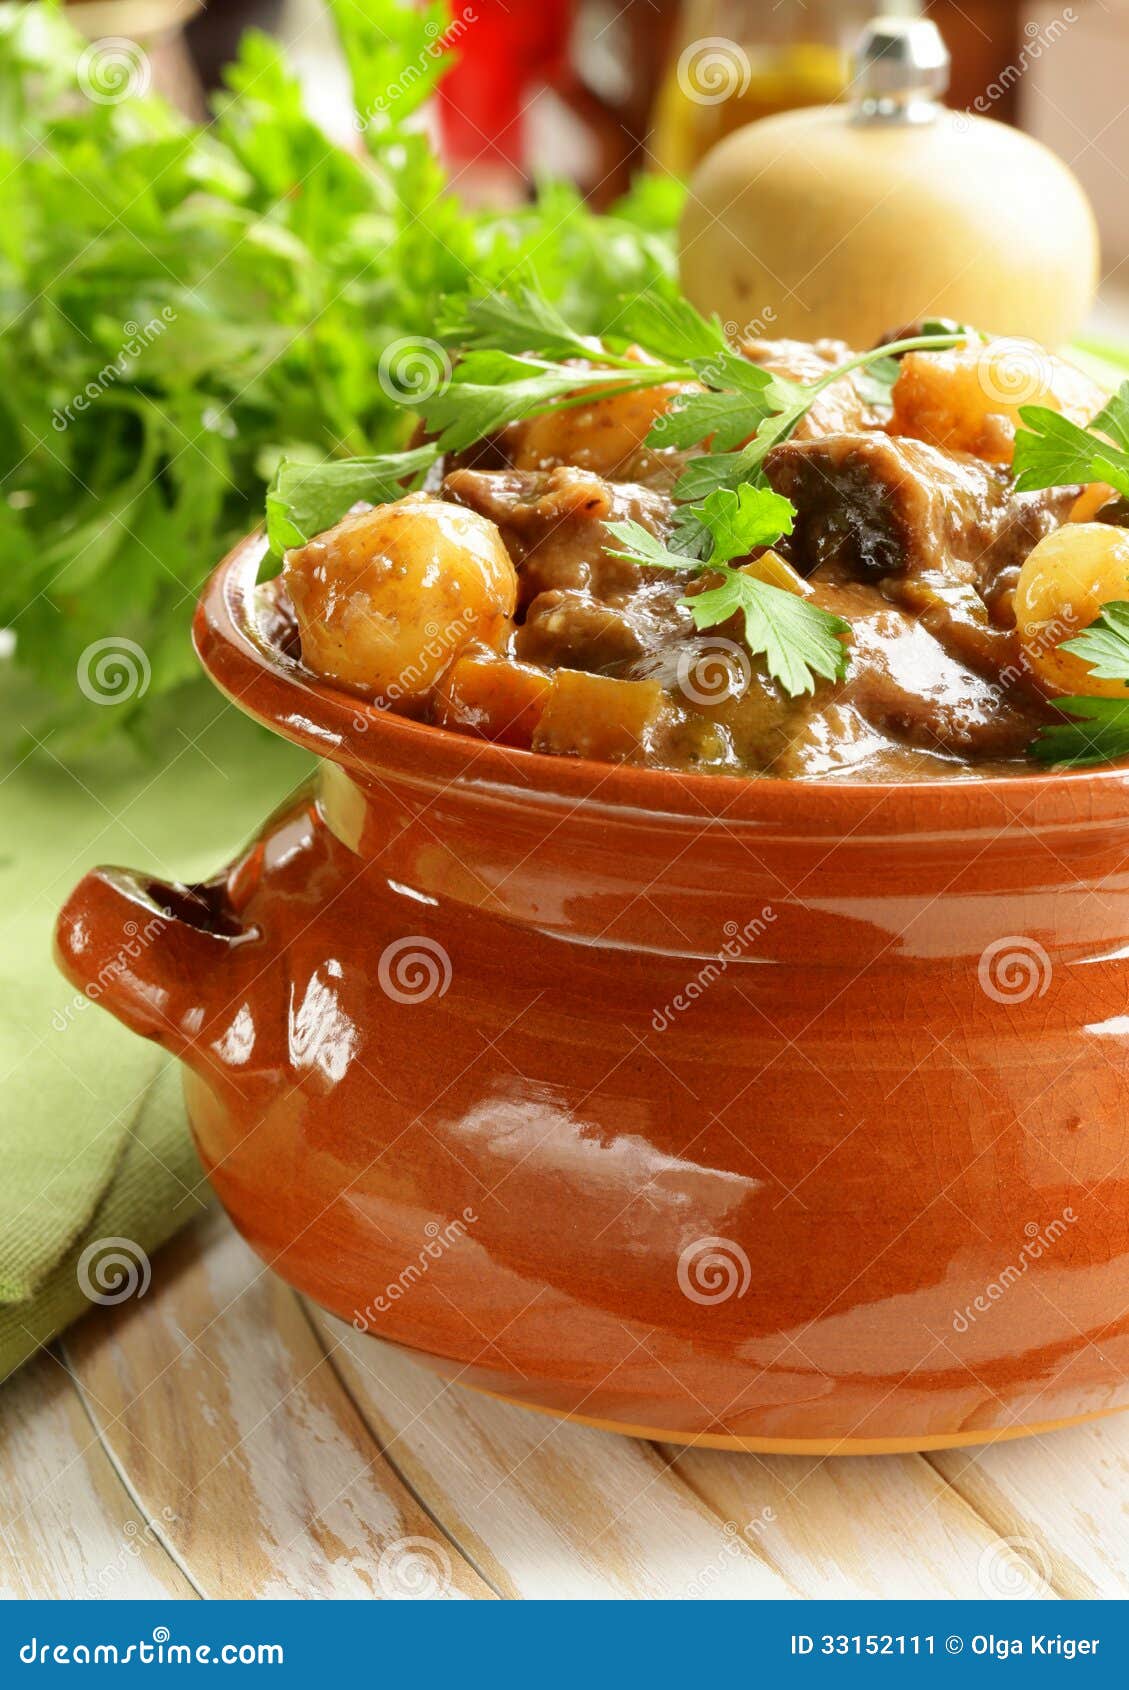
(94, 1144)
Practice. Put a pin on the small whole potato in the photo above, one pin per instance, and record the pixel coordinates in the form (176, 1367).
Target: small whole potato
(388, 598)
(1061, 590)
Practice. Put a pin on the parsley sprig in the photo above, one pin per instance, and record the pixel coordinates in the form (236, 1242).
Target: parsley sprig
(1099, 729)
(306, 499)
(517, 365)
(518, 358)
(1052, 451)
(799, 642)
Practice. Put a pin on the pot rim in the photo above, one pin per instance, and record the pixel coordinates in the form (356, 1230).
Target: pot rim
(375, 746)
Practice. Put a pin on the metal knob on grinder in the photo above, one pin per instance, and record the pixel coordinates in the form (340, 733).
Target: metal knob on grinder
(901, 71)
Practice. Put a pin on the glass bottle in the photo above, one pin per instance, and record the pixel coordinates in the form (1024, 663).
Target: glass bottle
(737, 60)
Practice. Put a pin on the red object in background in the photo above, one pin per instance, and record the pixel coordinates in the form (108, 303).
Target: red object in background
(505, 52)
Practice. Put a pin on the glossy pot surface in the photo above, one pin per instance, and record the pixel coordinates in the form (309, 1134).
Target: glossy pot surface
(785, 1115)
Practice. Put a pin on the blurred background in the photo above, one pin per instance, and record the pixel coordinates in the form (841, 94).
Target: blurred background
(589, 88)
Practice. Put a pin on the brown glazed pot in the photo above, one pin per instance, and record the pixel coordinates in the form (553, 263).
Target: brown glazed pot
(777, 1115)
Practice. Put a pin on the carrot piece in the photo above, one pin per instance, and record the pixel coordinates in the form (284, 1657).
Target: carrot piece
(493, 697)
(774, 572)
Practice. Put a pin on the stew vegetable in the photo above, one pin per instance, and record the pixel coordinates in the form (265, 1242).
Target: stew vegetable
(763, 558)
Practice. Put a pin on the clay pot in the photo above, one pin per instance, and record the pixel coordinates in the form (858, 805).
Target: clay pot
(779, 1114)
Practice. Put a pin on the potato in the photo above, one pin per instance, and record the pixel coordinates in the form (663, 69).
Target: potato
(1061, 589)
(388, 598)
(968, 399)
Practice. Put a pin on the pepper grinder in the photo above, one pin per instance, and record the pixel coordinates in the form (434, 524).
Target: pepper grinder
(853, 220)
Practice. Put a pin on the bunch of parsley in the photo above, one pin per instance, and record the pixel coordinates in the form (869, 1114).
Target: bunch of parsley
(185, 305)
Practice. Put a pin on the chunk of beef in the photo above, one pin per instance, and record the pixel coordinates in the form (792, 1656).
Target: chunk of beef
(923, 326)
(870, 506)
(905, 683)
(1115, 511)
(904, 696)
(552, 522)
(573, 630)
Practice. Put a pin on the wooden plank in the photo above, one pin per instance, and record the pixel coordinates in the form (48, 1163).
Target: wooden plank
(68, 1525)
(1061, 1498)
(271, 1451)
(543, 1507)
(217, 1402)
(859, 1526)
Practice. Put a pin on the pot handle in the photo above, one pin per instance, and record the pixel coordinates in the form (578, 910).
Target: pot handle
(152, 952)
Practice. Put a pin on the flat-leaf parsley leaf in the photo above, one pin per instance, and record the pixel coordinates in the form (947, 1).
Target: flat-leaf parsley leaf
(798, 641)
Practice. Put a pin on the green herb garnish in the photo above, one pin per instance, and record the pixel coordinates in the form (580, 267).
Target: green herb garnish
(1104, 645)
(774, 408)
(797, 640)
(518, 356)
(1052, 451)
(306, 499)
(517, 366)
(490, 389)
(1099, 731)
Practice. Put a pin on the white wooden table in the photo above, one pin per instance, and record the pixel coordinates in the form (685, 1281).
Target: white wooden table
(221, 1437)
